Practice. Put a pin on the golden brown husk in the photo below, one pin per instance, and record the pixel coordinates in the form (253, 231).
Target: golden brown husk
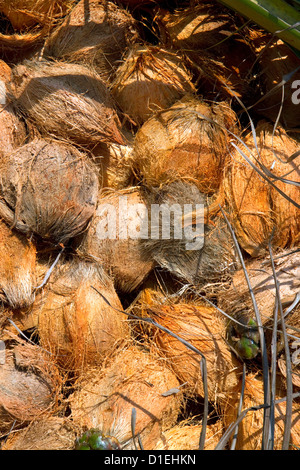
(96, 34)
(49, 188)
(75, 321)
(68, 101)
(115, 165)
(187, 141)
(256, 207)
(149, 80)
(133, 379)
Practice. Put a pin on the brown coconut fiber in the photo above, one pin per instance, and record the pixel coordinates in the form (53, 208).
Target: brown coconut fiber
(48, 188)
(68, 101)
(132, 380)
(187, 141)
(149, 80)
(94, 33)
(256, 207)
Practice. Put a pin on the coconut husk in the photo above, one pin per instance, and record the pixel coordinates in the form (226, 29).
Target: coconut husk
(215, 48)
(115, 166)
(276, 61)
(75, 323)
(133, 380)
(96, 34)
(17, 268)
(150, 79)
(249, 436)
(29, 385)
(187, 436)
(49, 433)
(68, 101)
(113, 238)
(49, 188)
(187, 141)
(257, 208)
(204, 329)
(24, 14)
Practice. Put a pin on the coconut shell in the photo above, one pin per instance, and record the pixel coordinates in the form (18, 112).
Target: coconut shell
(95, 34)
(187, 141)
(17, 268)
(276, 61)
(249, 436)
(68, 101)
(134, 379)
(29, 385)
(50, 433)
(150, 79)
(256, 207)
(75, 323)
(204, 329)
(118, 252)
(49, 188)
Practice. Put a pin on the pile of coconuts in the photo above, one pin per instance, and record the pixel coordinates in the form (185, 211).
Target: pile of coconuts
(113, 334)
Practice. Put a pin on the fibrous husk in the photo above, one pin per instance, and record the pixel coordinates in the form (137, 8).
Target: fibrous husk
(249, 436)
(133, 380)
(216, 49)
(255, 206)
(17, 268)
(24, 14)
(277, 62)
(48, 188)
(113, 238)
(75, 321)
(49, 433)
(68, 101)
(96, 33)
(29, 385)
(186, 436)
(150, 79)
(187, 141)
(203, 328)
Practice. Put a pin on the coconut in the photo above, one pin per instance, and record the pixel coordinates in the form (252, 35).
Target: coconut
(277, 61)
(29, 385)
(133, 380)
(75, 322)
(113, 238)
(68, 101)
(96, 33)
(204, 329)
(49, 188)
(49, 433)
(24, 14)
(217, 50)
(256, 207)
(249, 436)
(186, 436)
(150, 79)
(187, 141)
(17, 268)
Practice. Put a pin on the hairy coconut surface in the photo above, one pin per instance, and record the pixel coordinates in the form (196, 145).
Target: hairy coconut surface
(17, 268)
(249, 436)
(187, 141)
(75, 323)
(257, 208)
(132, 380)
(94, 33)
(48, 433)
(68, 101)
(24, 14)
(113, 238)
(29, 385)
(48, 188)
(150, 79)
